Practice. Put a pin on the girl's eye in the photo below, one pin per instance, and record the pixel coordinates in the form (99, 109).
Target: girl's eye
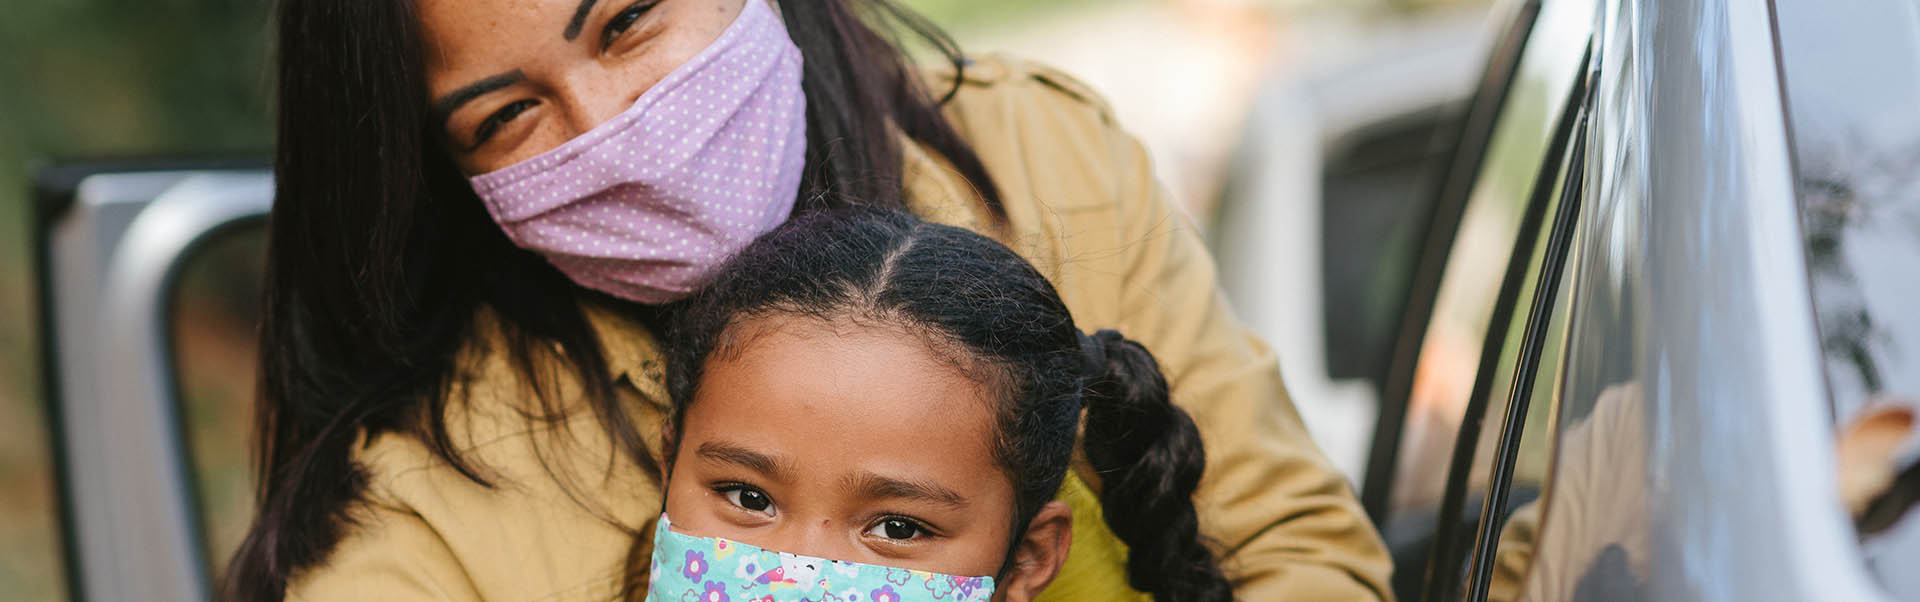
(897, 528)
(499, 119)
(750, 498)
(623, 21)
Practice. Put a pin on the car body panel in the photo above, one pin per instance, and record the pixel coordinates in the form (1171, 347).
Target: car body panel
(1693, 298)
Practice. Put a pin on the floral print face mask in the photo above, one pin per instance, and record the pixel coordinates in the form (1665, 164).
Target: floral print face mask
(711, 569)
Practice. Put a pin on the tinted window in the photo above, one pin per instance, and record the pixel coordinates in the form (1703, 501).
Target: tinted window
(1852, 72)
(215, 311)
(1373, 193)
(1477, 263)
(1853, 84)
(1511, 513)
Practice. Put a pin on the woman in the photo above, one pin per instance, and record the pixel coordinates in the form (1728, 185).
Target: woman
(479, 201)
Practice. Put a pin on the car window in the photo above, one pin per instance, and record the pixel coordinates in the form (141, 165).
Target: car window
(1857, 150)
(1374, 189)
(214, 312)
(1477, 263)
(1491, 474)
(1852, 76)
(1516, 440)
(1513, 521)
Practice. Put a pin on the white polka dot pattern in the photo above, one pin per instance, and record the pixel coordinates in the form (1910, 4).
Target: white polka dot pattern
(646, 205)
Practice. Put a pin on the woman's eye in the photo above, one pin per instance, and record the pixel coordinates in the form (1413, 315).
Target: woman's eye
(499, 119)
(897, 528)
(751, 499)
(623, 21)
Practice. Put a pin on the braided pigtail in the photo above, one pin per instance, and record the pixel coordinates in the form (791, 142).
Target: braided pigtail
(1149, 457)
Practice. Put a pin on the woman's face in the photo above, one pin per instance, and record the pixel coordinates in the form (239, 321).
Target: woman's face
(510, 79)
(851, 442)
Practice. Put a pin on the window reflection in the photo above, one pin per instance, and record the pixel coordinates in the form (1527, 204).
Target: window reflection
(1463, 309)
(1852, 72)
(214, 313)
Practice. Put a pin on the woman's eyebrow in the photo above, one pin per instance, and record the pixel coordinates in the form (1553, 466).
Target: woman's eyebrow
(579, 19)
(874, 486)
(729, 453)
(446, 105)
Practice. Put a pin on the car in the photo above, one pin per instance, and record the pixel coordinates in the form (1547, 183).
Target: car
(1667, 252)
(1671, 252)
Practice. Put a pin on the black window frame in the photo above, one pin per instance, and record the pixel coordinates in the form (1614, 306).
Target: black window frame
(1451, 548)
(1461, 169)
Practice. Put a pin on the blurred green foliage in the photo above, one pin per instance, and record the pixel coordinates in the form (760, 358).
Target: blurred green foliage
(98, 78)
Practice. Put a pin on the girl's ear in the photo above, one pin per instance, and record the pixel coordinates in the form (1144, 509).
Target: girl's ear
(1039, 554)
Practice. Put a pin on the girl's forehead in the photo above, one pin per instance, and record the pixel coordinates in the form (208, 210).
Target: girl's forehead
(852, 395)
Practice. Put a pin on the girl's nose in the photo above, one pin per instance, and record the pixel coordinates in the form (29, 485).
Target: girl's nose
(820, 538)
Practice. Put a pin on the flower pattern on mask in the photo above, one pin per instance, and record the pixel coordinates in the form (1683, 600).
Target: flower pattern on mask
(695, 567)
(716, 592)
(699, 571)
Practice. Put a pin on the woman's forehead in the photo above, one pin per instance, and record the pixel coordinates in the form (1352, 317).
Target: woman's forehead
(461, 33)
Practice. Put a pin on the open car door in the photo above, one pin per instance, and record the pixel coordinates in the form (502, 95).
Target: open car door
(110, 244)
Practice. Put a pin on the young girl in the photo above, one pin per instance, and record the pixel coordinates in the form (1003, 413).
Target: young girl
(903, 398)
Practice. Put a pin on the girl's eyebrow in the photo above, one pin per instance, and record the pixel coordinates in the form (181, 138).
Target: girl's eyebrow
(874, 486)
(720, 451)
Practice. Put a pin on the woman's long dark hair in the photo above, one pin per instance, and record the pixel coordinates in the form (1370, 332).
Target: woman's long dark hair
(961, 290)
(380, 255)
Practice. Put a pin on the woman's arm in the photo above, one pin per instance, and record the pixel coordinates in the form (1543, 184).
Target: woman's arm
(390, 554)
(1289, 522)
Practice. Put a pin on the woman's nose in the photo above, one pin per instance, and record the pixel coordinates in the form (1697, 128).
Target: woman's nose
(591, 96)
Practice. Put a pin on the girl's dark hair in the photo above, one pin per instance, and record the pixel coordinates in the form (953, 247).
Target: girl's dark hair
(965, 293)
(380, 255)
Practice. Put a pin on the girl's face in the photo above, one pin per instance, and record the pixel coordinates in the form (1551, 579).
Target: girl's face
(510, 79)
(853, 443)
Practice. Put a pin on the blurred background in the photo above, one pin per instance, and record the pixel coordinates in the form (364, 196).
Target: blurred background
(1238, 100)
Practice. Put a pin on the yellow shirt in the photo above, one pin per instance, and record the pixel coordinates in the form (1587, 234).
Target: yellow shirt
(565, 512)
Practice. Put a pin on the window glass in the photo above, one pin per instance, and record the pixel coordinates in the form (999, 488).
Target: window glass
(1853, 82)
(214, 315)
(1516, 523)
(1372, 196)
(1530, 463)
(1476, 265)
(1852, 73)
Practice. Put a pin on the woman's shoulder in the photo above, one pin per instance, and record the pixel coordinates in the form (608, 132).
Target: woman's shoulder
(992, 75)
(1069, 176)
(1048, 139)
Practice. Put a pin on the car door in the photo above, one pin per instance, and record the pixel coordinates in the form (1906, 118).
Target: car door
(1687, 429)
(138, 262)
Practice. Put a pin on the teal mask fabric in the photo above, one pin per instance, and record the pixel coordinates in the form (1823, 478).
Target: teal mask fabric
(710, 569)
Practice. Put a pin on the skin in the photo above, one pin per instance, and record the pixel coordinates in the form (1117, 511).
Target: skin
(538, 88)
(854, 443)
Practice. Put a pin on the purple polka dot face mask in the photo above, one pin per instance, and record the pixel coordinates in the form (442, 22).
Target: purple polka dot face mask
(647, 205)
